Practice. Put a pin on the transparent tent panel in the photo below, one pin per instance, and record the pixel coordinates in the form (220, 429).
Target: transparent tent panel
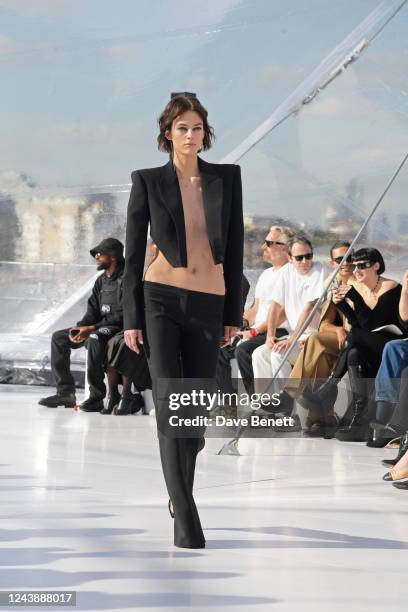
(325, 168)
(322, 169)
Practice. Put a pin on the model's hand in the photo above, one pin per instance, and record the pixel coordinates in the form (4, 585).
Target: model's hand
(79, 333)
(229, 334)
(339, 293)
(341, 336)
(133, 337)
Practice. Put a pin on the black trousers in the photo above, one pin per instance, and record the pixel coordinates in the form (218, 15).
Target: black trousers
(182, 334)
(243, 354)
(61, 346)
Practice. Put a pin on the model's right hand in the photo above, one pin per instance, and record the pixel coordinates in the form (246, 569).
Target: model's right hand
(133, 337)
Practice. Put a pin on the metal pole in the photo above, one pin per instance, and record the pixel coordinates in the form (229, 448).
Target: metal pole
(230, 447)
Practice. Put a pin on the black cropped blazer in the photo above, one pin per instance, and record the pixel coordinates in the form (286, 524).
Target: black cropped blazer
(155, 198)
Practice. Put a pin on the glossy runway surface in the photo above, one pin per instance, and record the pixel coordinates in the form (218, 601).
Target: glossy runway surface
(291, 525)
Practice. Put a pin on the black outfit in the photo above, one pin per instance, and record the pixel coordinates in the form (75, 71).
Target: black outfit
(363, 320)
(361, 356)
(227, 353)
(132, 365)
(104, 310)
(155, 198)
(182, 328)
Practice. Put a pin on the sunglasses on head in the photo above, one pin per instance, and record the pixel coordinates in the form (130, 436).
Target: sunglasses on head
(270, 243)
(186, 94)
(363, 265)
(339, 259)
(307, 256)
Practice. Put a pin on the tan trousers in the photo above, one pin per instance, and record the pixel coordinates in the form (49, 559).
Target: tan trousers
(315, 361)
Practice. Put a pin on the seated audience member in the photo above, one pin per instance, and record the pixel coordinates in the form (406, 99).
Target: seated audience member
(274, 252)
(391, 383)
(319, 353)
(223, 373)
(102, 320)
(376, 302)
(297, 287)
(125, 367)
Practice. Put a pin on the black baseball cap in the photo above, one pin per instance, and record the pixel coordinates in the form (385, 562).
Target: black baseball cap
(109, 246)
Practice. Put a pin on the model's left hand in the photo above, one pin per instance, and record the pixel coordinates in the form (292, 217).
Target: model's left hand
(229, 334)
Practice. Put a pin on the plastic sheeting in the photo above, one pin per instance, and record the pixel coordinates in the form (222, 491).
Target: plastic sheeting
(98, 83)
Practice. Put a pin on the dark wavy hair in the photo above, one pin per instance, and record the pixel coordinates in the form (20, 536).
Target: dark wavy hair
(176, 107)
(371, 255)
(298, 238)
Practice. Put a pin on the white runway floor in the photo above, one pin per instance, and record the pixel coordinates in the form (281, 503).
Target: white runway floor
(291, 525)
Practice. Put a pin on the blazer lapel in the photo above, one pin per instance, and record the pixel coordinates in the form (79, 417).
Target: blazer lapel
(212, 190)
(171, 196)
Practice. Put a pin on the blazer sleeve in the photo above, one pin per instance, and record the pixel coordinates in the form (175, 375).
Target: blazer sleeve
(234, 254)
(135, 249)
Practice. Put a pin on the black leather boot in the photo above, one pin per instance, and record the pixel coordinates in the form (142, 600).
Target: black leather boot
(403, 447)
(53, 401)
(130, 404)
(111, 404)
(380, 435)
(92, 405)
(357, 429)
(381, 432)
(327, 392)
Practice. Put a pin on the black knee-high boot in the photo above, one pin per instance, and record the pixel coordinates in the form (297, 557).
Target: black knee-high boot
(357, 429)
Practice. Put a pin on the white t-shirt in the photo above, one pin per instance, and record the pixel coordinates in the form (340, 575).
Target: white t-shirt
(293, 290)
(263, 293)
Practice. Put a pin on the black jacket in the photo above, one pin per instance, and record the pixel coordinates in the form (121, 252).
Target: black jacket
(105, 308)
(155, 198)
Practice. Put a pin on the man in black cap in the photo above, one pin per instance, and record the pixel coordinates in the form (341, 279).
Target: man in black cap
(102, 320)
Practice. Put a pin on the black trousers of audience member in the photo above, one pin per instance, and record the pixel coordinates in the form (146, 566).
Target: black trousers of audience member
(182, 335)
(223, 373)
(243, 354)
(61, 346)
(368, 352)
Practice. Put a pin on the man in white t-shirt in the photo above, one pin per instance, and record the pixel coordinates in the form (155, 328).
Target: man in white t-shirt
(296, 288)
(274, 252)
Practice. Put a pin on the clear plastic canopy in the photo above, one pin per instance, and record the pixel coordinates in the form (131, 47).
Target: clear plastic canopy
(82, 85)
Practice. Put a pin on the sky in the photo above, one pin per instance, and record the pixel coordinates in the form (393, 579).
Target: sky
(83, 82)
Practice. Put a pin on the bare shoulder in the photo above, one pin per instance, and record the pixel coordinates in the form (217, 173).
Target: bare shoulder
(388, 284)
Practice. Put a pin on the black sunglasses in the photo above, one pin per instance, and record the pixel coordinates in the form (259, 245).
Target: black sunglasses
(363, 265)
(270, 243)
(307, 256)
(340, 259)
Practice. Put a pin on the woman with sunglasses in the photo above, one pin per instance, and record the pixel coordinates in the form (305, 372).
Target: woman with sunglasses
(375, 309)
(191, 298)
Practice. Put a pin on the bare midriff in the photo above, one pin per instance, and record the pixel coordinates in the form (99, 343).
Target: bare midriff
(201, 273)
